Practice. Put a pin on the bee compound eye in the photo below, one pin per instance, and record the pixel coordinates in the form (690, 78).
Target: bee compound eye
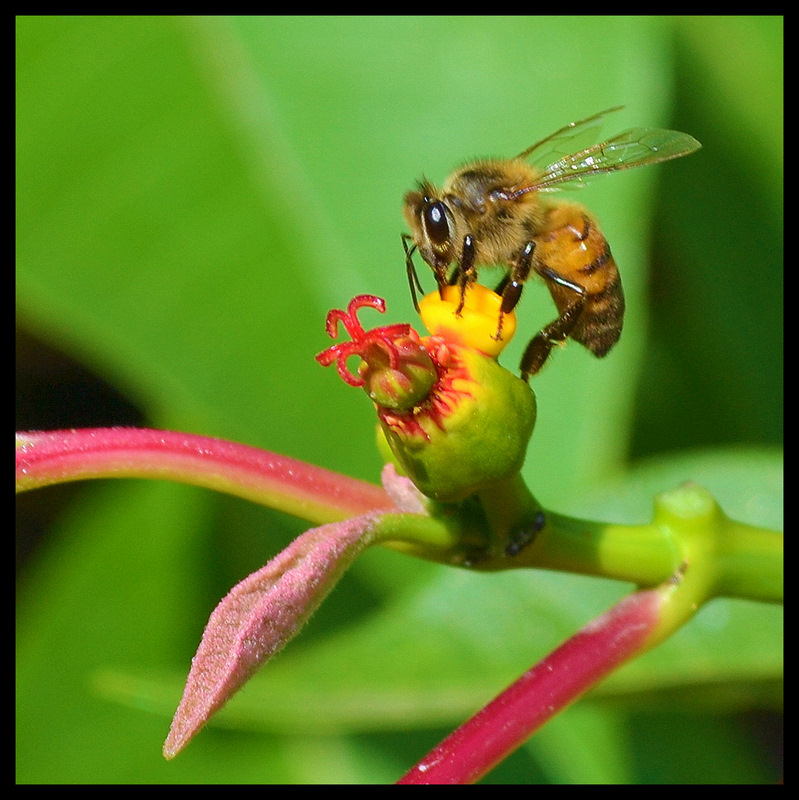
(435, 222)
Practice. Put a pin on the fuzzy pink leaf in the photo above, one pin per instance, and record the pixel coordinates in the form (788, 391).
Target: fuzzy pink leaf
(260, 615)
(403, 491)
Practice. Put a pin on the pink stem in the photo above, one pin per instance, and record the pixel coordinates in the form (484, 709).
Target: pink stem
(511, 718)
(283, 483)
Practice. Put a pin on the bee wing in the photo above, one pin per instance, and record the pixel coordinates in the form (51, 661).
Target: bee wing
(570, 138)
(636, 147)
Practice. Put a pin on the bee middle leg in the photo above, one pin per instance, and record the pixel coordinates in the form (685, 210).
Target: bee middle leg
(465, 272)
(510, 287)
(537, 352)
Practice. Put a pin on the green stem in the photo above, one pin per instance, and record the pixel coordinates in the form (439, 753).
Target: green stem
(455, 538)
(751, 563)
(689, 534)
(642, 554)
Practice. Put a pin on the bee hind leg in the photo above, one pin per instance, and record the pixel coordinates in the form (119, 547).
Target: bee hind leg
(537, 352)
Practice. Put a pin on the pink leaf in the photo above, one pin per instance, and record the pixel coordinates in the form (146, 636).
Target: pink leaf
(260, 615)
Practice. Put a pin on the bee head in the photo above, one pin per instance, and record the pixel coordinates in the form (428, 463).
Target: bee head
(432, 224)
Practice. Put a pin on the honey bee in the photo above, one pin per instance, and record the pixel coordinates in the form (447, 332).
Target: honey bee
(491, 213)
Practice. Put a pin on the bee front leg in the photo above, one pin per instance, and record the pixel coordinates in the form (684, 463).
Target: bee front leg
(537, 352)
(510, 287)
(465, 271)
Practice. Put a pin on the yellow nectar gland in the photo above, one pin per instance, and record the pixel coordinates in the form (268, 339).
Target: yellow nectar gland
(476, 325)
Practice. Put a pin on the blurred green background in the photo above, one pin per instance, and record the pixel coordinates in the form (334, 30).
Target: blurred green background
(193, 195)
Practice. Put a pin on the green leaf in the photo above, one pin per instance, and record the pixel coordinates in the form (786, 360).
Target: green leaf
(193, 195)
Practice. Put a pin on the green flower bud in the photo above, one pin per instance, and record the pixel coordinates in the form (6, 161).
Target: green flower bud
(456, 422)
(471, 432)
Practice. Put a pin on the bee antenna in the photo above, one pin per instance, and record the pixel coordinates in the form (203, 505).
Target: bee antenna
(410, 267)
(424, 186)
